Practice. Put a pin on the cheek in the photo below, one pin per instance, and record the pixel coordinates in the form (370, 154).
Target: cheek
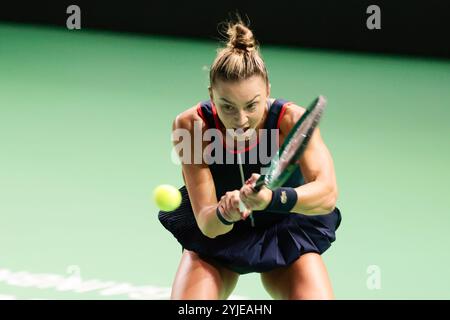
(257, 116)
(254, 119)
(226, 119)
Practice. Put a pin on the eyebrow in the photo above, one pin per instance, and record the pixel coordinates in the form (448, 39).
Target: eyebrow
(245, 103)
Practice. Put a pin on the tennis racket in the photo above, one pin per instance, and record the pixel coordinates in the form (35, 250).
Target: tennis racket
(284, 162)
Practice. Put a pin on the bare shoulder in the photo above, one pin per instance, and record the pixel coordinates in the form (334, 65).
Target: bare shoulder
(187, 128)
(291, 115)
(187, 118)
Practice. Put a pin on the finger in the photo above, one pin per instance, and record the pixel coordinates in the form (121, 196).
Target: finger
(228, 203)
(247, 191)
(224, 213)
(242, 194)
(249, 195)
(242, 206)
(247, 202)
(235, 199)
(233, 215)
(224, 202)
(222, 209)
(254, 177)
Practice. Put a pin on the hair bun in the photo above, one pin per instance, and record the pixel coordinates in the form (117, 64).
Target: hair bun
(240, 37)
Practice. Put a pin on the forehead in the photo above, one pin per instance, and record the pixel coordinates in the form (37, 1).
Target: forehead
(240, 91)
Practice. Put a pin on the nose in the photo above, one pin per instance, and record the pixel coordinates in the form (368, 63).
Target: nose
(241, 119)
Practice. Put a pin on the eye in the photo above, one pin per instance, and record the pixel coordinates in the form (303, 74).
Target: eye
(251, 106)
(227, 108)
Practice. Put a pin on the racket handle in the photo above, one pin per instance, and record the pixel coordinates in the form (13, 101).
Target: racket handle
(259, 184)
(242, 208)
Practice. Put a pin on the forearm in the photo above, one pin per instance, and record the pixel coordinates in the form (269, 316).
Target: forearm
(209, 224)
(316, 197)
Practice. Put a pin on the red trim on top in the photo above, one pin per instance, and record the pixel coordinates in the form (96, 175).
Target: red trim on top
(216, 121)
(200, 113)
(244, 150)
(280, 116)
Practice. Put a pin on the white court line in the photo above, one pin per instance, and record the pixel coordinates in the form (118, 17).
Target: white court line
(74, 283)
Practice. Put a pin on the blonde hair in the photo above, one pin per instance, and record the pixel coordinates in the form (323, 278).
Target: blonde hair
(240, 59)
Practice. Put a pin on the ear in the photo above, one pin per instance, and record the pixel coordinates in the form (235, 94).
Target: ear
(268, 89)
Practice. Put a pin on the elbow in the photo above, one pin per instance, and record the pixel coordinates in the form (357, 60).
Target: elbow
(325, 204)
(213, 232)
(331, 200)
(207, 233)
(329, 208)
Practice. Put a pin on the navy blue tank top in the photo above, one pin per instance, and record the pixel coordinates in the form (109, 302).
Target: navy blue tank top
(227, 175)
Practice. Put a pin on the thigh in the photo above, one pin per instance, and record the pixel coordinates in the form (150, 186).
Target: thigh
(197, 278)
(306, 278)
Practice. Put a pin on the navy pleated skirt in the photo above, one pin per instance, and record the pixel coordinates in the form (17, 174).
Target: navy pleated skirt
(276, 240)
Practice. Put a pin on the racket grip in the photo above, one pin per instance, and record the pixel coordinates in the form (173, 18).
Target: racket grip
(259, 184)
(242, 207)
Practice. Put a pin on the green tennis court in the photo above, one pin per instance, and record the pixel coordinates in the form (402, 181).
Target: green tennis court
(85, 124)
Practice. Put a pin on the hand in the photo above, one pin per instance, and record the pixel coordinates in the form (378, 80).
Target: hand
(255, 200)
(229, 207)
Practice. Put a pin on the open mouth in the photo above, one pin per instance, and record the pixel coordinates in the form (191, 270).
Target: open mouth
(242, 133)
(241, 129)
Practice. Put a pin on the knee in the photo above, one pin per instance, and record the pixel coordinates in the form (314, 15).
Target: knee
(199, 279)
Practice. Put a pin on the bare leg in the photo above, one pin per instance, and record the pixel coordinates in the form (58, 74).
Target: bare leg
(197, 279)
(306, 278)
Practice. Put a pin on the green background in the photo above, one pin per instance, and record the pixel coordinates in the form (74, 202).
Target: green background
(85, 123)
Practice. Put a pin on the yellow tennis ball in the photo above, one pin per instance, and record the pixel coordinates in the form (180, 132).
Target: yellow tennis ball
(167, 197)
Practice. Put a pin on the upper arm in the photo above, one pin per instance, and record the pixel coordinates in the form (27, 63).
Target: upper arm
(316, 163)
(197, 176)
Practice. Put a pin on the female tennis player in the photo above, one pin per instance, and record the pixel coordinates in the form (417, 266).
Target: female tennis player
(294, 224)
